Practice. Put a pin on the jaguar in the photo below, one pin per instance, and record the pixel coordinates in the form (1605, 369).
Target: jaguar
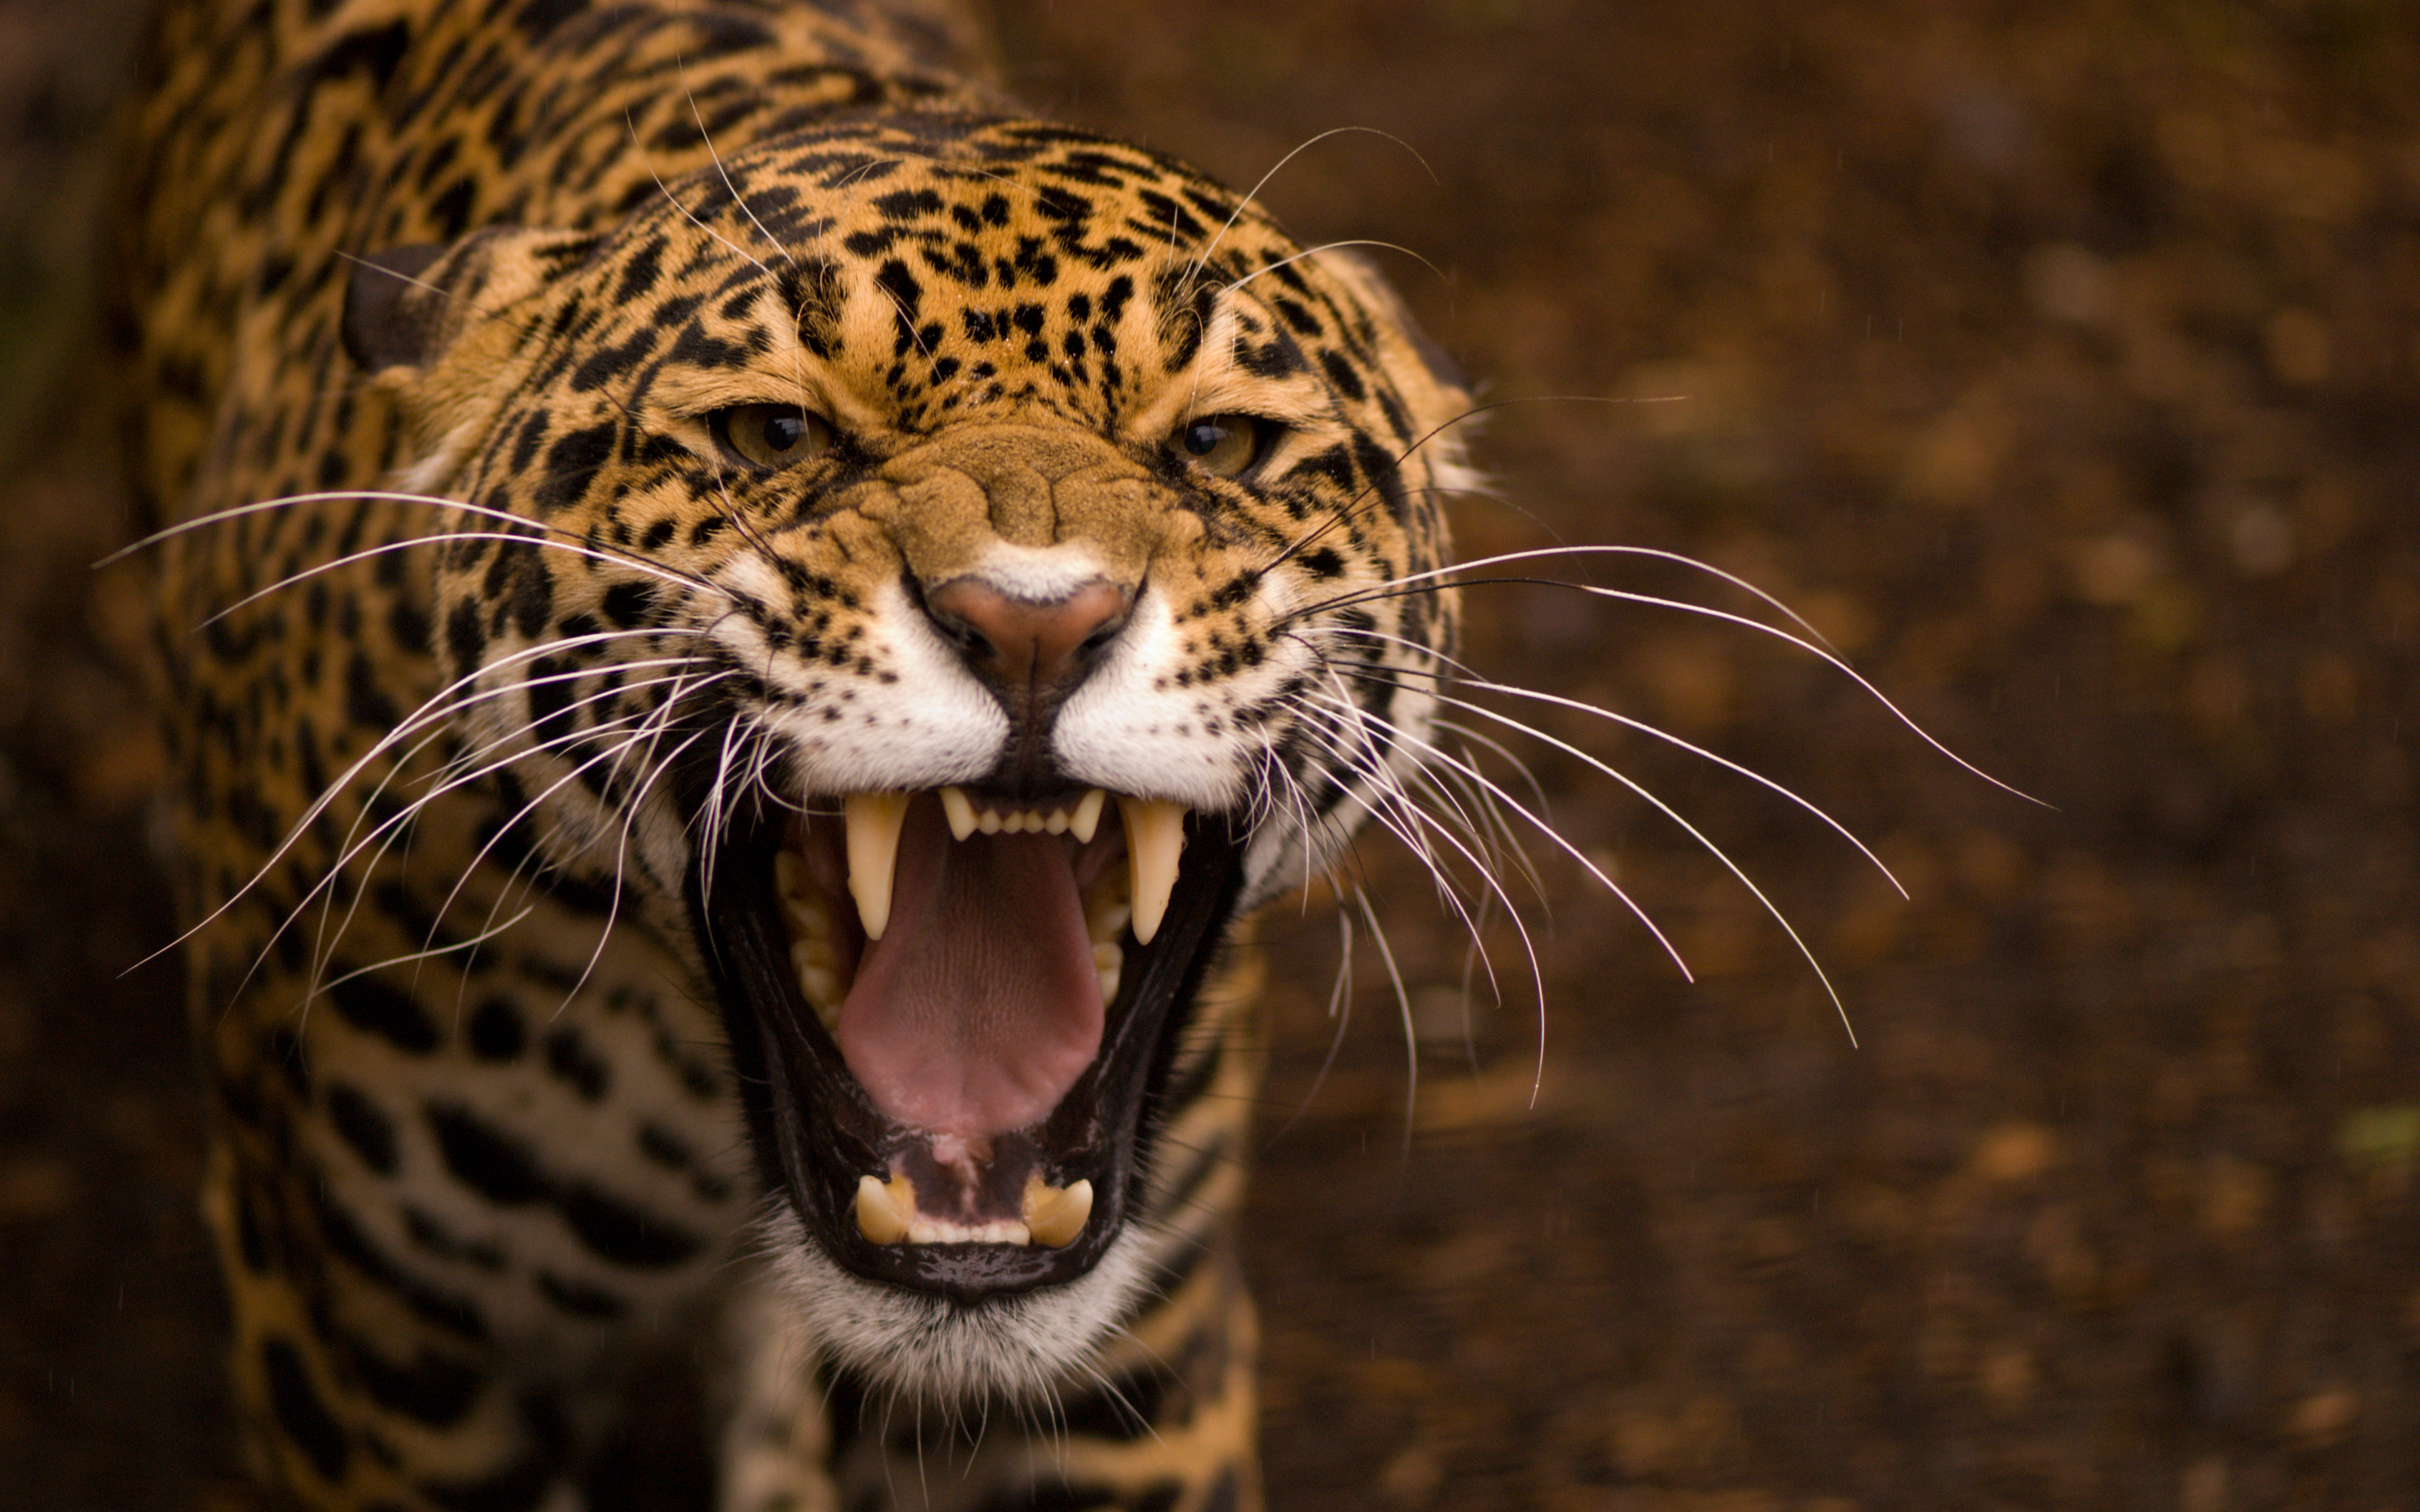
(743, 629)
(764, 618)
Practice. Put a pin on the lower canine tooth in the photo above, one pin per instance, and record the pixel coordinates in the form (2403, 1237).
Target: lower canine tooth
(885, 1211)
(1055, 1215)
(1154, 839)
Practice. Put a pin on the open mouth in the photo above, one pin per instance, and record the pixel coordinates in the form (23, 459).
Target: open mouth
(953, 1014)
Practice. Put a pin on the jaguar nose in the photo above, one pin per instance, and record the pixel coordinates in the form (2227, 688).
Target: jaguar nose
(1030, 652)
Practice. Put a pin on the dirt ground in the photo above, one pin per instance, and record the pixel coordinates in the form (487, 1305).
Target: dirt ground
(2059, 363)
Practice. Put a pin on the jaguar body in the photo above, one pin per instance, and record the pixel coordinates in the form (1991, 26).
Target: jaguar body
(765, 619)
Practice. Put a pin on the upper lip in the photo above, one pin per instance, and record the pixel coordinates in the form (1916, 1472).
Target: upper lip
(818, 1131)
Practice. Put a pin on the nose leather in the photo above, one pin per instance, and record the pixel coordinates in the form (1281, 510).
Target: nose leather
(1030, 653)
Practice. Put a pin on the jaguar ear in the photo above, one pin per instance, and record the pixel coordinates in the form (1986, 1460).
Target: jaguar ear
(406, 307)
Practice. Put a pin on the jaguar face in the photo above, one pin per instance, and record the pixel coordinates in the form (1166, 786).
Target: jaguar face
(941, 634)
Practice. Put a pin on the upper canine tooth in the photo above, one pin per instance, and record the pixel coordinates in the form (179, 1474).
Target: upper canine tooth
(885, 1210)
(874, 821)
(1055, 1215)
(1154, 839)
(1087, 817)
(960, 811)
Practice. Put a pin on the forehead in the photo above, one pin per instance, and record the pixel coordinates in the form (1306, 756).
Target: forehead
(947, 264)
(924, 186)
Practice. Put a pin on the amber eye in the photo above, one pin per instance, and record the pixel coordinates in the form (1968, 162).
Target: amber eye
(1224, 446)
(771, 435)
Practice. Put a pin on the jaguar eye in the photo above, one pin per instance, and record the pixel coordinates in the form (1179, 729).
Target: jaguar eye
(770, 434)
(1224, 446)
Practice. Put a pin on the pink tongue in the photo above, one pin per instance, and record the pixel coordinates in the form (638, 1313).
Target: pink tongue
(978, 1008)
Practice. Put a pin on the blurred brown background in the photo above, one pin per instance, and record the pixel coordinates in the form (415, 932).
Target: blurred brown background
(2058, 362)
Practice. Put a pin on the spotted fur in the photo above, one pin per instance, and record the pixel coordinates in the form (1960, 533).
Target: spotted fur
(504, 652)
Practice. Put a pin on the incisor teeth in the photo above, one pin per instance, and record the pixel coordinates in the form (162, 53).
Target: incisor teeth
(873, 820)
(885, 1210)
(1055, 1215)
(1154, 839)
(1087, 817)
(960, 811)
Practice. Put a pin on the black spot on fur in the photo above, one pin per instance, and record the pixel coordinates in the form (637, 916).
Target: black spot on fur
(407, 624)
(484, 1158)
(909, 205)
(538, 18)
(570, 462)
(640, 274)
(606, 364)
(1341, 374)
(376, 51)
(579, 1300)
(627, 605)
(370, 1132)
(550, 687)
(697, 348)
(568, 1057)
(1124, 1409)
(1379, 467)
(251, 1237)
(433, 1390)
(372, 1007)
(663, 1146)
(894, 279)
(618, 1232)
(1322, 562)
(454, 209)
(300, 1413)
(367, 704)
(496, 1032)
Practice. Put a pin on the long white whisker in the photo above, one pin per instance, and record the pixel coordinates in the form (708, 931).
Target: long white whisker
(386, 547)
(1203, 260)
(386, 496)
(1695, 833)
(1494, 885)
(1505, 559)
(716, 157)
(455, 775)
(1623, 596)
(1403, 816)
(439, 706)
(1487, 686)
(669, 198)
(1331, 246)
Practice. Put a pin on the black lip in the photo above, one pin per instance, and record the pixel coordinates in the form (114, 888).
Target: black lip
(815, 1131)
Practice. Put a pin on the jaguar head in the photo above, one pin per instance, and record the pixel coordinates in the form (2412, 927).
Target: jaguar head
(943, 578)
